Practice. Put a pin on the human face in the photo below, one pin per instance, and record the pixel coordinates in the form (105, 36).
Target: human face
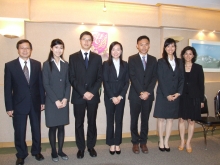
(86, 42)
(170, 49)
(57, 50)
(116, 51)
(24, 50)
(188, 56)
(143, 46)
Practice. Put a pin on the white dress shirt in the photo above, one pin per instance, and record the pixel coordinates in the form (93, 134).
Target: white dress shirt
(28, 64)
(172, 63)
(84, 54)
(143, 56)
(58, 64)
(117, 65)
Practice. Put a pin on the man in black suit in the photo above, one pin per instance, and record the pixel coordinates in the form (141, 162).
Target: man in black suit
(143, 77)
(24, 96)
(85, 74)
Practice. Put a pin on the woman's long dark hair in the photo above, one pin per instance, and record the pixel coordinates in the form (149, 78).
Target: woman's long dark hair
(110, 52)
(193, 52)
(54, 43)
(165, 55)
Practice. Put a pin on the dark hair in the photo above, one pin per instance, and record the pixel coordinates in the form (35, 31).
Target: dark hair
(110, 52)
(23, 41)
(86, 33)
(165, 55)
(193, 52)
(54, 43)
(143, 37)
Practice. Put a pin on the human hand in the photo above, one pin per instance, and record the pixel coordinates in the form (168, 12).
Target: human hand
(144, 95)
(10, 113)
(64, 102)
(170, 97)
(175, 96)
(88, 96)
(42, 107)
(115, 100)
(59, 104)
(202, 105)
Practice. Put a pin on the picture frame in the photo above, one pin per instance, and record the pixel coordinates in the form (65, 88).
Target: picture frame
(208, 54)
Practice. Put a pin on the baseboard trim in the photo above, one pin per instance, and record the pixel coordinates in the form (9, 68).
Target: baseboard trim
(99, 137)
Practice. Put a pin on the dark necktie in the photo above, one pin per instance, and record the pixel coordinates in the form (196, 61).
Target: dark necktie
(86, 60)
(26, 72)
(144, 63)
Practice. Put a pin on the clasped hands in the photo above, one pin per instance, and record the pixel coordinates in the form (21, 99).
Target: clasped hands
(144, 95)
(88, 96)
(173, 97)
(116, 100)
(61, 104)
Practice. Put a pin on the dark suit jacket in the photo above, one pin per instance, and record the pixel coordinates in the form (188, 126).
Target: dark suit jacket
(195, 83)
(82, 79)
(113, 85)
(169, 81)
(18, 93)
(142, 80)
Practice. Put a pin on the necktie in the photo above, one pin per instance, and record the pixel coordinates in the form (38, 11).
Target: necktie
(26, 72)
(86, 60)
(144, 63)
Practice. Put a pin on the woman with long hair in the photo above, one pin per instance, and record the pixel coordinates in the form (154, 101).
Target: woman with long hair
(57, 87)
(115, 81)
(192, 98)
(170, 86)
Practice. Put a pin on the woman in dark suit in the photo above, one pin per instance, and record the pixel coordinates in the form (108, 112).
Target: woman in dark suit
(170, 86)
(57, 87)
(115, 81)
(191, 100)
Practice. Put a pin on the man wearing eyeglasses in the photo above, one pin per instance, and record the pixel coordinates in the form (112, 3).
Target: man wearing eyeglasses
(85, 75)
(24, 97)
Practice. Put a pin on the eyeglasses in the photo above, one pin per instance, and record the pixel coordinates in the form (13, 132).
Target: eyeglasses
(86, 40)
(25, 48)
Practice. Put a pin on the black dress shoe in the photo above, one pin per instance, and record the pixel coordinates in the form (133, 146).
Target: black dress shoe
(161, 149)
(80, 154)
(92, 152)
(167, 149)
(39, 157)
(118, 152)
(19, 161)
(112, 152)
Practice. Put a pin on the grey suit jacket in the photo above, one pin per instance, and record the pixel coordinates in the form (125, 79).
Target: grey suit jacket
(142, 80)
(56, 83)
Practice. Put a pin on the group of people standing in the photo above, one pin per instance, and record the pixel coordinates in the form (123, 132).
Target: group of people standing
(180, 95)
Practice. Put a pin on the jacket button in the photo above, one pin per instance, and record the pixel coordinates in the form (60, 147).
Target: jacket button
(60, 79)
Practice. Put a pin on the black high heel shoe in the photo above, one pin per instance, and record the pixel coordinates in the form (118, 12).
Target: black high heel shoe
(161, 149)
(111, 152)
(167, 149)
(118, 152)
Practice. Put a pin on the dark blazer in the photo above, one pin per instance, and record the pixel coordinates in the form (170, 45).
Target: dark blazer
(142, 80)
(18, 93)
(195, 83)
(169, 81)
(82, 79)
(113, 85)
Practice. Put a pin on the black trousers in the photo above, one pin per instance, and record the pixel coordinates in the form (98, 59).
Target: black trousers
(137, 108)
(20, 125)
(79, 113)
(114, 115)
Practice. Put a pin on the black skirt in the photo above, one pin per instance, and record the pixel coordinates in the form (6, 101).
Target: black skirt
(190, 108)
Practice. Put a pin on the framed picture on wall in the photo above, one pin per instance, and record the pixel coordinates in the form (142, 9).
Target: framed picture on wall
(208, 54)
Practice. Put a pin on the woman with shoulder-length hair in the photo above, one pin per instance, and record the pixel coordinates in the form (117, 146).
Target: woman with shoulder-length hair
(170, 86)
(116, 82)
(57, 87)
(192, 98)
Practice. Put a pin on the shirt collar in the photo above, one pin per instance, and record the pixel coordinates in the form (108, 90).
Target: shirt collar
(52, 59)
(22, 61)
(83, 51)
(171, 60)
(143, 56)
(116, 61)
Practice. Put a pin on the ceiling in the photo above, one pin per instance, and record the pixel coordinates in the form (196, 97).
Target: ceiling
(212, 4)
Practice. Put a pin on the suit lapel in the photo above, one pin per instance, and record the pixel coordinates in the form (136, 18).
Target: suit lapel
(91, 57)
(33, 69)
(80, 56)
(139, 62)
(113, 70)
